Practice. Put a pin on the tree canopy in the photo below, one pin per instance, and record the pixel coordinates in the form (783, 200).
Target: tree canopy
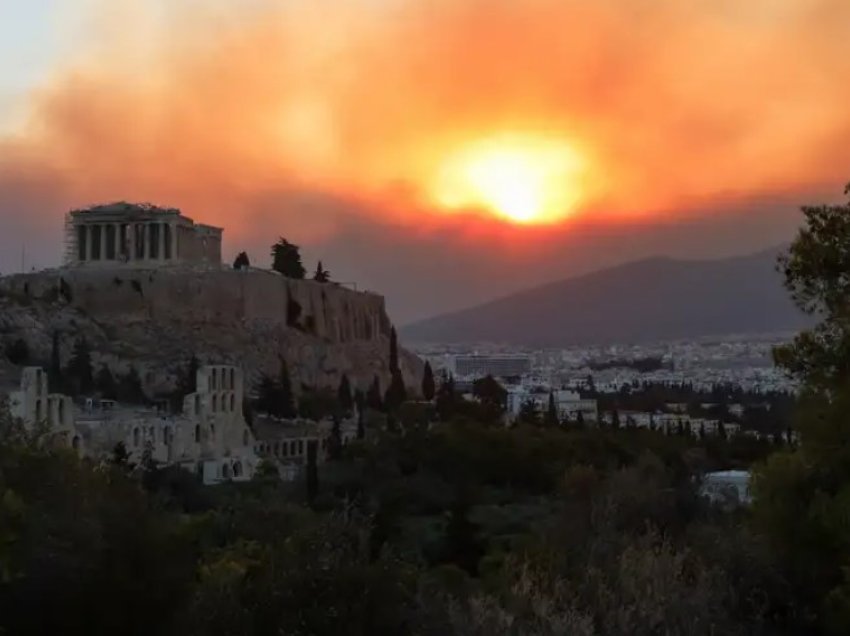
(286, 259)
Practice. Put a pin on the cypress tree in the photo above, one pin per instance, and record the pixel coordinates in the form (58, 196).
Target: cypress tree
(285, 401)
(335, 441)
(55, 371)
(344, 394)
(361, 425)
(106, 383)
(396, 393)
(393, 351)
(428, 386)
(80, 367)
(373, 397)
(551, 411)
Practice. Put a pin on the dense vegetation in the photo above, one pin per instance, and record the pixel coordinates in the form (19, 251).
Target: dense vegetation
(460, 527)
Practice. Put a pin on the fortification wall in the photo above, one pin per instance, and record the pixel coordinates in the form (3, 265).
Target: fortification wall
(196, 297)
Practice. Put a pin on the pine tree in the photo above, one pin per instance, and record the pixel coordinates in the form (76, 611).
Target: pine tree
(241, 261)
(322, 275)
(551, 412)
(428, 387)
(286, 259)
(312, 471)
(344, 394)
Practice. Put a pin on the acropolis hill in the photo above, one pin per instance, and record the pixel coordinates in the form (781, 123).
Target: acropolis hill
(146, 286)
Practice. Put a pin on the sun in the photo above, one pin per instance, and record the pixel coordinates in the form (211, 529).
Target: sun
(520, 178)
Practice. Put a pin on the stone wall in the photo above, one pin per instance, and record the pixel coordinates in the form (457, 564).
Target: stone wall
(157, 318)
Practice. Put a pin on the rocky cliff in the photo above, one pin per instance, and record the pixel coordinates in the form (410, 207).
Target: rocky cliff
(156, 319)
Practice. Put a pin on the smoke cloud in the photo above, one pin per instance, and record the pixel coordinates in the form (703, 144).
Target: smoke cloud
(325, 121)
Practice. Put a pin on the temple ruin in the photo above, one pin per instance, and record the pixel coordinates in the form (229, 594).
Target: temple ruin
(140, 235)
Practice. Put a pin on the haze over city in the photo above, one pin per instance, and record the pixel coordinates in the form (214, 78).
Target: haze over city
(470, 147)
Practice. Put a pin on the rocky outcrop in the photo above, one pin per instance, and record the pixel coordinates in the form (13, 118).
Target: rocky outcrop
(156, 319)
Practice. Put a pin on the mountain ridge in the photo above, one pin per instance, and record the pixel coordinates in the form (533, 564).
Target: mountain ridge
(654, 298)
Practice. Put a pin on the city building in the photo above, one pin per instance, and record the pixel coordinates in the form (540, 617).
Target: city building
(499, 366)
(570, 405)
(138, 234)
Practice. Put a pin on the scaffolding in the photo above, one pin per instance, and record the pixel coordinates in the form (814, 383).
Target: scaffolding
(70, 240)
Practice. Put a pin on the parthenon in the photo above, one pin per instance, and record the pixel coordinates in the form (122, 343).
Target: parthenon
(138, 234)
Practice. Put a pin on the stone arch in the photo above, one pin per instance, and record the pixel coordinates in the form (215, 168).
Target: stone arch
(237, 469)
(76, 443)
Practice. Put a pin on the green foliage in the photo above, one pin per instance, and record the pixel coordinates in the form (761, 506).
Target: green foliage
(318, 404)
(321, 275)
(105, 382)
(428, 385)
(274, 396)
(241, 261)
(130, 388)
(286, 259)
(18, 352)
(489, 391)
(373, 395)
(396, 392)
(344, 396)
(79, 374)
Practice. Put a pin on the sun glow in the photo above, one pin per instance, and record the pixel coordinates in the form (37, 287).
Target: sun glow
(522, 179)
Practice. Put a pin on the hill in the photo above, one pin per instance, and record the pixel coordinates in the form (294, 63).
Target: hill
(155, 319)
(652, 299)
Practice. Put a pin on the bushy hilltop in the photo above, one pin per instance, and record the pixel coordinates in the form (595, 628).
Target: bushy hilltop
(156, 319)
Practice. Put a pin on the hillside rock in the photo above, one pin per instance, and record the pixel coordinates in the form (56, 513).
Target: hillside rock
(156, 319)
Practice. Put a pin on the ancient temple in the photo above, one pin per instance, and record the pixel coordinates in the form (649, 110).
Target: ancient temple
(138, 234)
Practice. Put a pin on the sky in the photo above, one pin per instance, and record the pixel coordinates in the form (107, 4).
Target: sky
(441, 152)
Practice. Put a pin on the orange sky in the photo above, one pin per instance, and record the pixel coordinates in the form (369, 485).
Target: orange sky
(671, 105)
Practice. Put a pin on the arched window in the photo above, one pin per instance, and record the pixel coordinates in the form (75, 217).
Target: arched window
(245, 438)
(38, 414)
(300, 446)
(232, 379)
(212, 432)
(197, 433)
(232, 403)
(237, 469)
(292, 448)
(75, 443)
(215, 402)
(135, 436)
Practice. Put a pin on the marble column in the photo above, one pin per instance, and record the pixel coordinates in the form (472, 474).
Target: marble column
(131, 241)
(160, 252)
(89, 242)
(148, 241)
(116, 228)
(174, 241)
